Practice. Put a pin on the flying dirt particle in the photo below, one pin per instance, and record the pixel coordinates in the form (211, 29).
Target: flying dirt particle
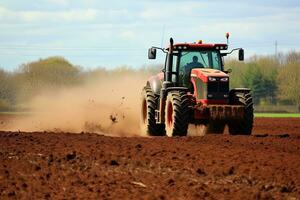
(71, 156)
(123, 98)
(113, 118)
(2, 122)
(114, 163)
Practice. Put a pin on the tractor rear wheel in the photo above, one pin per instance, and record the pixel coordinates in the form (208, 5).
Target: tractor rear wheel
(177, 114)
(243, 126)
(147, 122)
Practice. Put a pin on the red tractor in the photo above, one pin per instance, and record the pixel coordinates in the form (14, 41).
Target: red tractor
(193, 88)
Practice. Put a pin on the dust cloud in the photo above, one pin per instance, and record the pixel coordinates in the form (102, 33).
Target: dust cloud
(106, 105)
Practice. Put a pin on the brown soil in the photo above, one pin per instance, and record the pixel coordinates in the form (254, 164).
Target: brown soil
(46, 165)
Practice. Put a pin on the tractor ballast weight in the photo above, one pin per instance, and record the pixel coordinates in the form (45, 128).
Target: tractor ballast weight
(194, 92)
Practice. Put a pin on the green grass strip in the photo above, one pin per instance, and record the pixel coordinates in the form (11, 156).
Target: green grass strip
(278, 115)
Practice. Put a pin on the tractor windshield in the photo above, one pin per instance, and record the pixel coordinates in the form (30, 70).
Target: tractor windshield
(199, 59)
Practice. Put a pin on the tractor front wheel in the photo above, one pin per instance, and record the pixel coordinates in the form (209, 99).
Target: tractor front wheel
(177, 114)
(147, 122)
(243, 126)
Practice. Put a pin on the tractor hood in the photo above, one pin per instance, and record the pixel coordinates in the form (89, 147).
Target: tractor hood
(203, 74)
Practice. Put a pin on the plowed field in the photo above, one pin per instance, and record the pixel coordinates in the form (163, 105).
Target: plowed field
(48, 165)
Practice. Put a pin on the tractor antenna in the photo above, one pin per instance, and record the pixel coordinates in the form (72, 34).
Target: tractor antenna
(163, 36)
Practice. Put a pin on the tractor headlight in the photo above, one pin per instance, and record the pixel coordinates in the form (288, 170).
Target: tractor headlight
(212, 79)
(225, 79)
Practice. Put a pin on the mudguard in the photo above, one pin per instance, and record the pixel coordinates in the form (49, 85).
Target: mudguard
(239, 90)
(155, 83)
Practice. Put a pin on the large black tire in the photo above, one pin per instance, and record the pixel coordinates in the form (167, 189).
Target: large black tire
(147, 120)
(216, 126)
(243, 126)
(177, 114)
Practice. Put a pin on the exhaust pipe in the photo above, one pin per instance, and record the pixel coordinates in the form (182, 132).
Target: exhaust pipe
(168, 74)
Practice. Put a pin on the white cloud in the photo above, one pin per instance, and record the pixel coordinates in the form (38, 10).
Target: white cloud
(128, 34)
(73, 15)
(59, 2)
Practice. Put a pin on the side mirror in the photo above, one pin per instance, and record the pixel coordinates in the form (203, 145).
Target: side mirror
(152, 53)
(241, 54)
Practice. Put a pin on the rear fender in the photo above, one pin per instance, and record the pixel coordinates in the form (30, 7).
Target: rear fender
(243, 90)
(184, 89)
(155, 84)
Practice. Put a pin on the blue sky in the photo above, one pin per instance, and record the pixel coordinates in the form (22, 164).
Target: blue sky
(94, 33)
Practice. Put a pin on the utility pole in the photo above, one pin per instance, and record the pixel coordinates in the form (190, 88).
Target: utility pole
(276, 44)
(163, 36)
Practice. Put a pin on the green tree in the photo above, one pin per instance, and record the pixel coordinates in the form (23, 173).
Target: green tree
(253, 79)
(289, 83)
(7, 91)
(258, 74)
(238, 69)
(50, 73)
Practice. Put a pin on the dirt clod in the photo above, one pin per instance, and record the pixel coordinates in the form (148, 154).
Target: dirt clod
(71, 156)
(285, 135)
(114, 163)
(200, 172)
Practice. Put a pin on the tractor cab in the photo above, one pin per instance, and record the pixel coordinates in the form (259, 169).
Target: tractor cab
(182, 58)
(187, 57)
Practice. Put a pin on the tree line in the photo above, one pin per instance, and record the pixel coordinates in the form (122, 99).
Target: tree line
(273, 80)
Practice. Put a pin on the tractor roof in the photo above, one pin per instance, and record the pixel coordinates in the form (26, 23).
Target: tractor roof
(199, 46)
